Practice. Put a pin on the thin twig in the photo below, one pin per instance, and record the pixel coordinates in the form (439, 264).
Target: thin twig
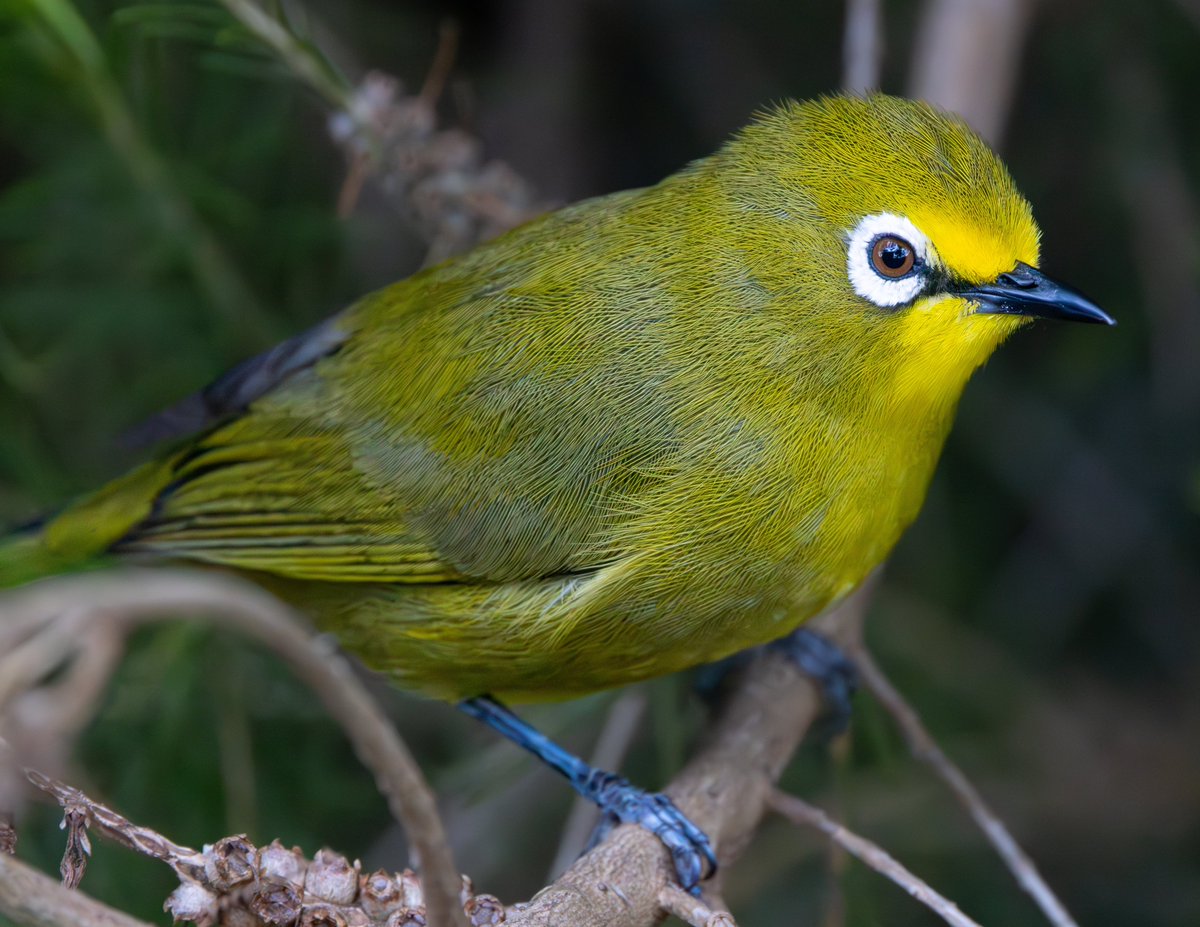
(871, 854)
(356, 176)
(133, 596)
(8, 835)
(674, 900)
(443, 63)
(186, 862)
(23, 665)
(925, 749)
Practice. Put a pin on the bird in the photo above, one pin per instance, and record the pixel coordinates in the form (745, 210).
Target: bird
(632, 436)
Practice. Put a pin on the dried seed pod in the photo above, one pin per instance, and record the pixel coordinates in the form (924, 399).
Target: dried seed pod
(485, 911)
(228, 862)
(8, 833)
(321, 915)
(379, 894)
(79, 845)
(331, 878)
(191, 901)
(236, 915)
(410, 888)
(276, 904)
(277, 863)
(407, 917)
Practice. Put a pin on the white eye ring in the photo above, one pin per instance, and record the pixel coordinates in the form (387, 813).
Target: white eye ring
(868, 282)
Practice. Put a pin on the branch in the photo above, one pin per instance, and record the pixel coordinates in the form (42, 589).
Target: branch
(134, 596)
(925, 749)
(628, 879)
(802, 813)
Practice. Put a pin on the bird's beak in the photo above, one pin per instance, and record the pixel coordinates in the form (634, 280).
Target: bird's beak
(1024, 290)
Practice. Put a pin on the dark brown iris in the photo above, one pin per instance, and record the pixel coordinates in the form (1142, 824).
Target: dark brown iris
(892, 257)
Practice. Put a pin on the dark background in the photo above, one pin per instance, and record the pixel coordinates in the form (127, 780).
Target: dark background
(168, 208)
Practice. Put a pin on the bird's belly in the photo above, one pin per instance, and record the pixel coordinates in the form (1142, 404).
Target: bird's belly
(522, 641)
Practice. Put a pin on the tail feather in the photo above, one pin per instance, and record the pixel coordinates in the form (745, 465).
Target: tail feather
(24, 557)
(80, 535)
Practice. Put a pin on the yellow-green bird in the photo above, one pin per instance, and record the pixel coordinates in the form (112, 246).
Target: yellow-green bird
(635, 435)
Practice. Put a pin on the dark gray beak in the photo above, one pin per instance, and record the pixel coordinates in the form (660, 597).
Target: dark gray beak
(1025, 290)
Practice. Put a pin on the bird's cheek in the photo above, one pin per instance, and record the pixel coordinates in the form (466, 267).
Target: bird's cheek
(932, 320)
(946, 322)
(941, 341)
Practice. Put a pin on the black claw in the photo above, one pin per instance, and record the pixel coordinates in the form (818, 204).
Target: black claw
(688, 845)
(824, 661)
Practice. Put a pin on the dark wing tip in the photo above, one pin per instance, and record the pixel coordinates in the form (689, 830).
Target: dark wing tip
(233, 392)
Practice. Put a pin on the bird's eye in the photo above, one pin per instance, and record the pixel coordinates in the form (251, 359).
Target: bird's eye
(887, 259)
(892, 257)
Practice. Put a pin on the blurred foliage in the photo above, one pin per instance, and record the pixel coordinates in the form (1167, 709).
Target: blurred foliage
(167, 208)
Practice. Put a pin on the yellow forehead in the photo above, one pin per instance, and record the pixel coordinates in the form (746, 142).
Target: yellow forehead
(974, 252)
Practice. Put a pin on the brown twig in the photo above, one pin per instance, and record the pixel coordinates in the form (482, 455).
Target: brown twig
(443, 63)
(624, 881)
(38, 722)
(186, 862)
(130, 597)
(439, 178)
(925, 749)
(674, 900)
(871, 854)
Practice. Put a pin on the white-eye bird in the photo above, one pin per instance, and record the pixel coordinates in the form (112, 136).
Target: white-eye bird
(632, 436)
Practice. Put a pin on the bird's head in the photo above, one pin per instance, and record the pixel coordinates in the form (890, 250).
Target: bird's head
(899, 221)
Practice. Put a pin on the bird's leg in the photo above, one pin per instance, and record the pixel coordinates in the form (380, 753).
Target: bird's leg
(834, 673)
(815, 656)
(689, 846)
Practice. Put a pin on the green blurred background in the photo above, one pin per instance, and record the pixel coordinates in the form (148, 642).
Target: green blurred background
(168, 207)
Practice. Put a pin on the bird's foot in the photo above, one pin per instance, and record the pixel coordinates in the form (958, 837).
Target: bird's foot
(624, 803)
(833, 672)
(617, 797)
